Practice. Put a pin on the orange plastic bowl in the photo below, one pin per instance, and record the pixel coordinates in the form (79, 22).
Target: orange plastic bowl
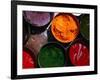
(65, 27)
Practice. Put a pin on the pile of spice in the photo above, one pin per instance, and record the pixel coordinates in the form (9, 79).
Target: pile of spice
(28, 60)
(51, 56)
(79, 54)
(35, 42)
(65, 27)
(37, 19)
(84, 29)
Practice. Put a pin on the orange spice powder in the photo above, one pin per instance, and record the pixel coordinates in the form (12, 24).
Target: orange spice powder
(65, 27)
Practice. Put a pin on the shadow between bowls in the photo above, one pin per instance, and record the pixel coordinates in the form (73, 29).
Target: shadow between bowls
(26, 32)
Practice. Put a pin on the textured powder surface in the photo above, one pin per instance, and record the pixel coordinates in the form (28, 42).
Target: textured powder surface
(35, 42)
(51, 56)
(64, 28)
(84, 29)
(28, 61)
(37, 18)
(79, 54)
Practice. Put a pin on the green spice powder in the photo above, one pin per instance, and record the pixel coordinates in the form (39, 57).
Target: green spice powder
(85, 26)
(51, 56)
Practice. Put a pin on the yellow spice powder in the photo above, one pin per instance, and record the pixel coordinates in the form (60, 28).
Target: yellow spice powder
(64, 28)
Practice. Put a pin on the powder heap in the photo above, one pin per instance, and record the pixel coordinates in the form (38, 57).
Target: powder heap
(79, 54)
(65, 27)
(35, 42)
(51, 56)
(28, 61)
(85, 23)
(37, 19)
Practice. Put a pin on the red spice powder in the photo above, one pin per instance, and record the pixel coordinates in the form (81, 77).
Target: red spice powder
(28, 61)
(79, 54)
